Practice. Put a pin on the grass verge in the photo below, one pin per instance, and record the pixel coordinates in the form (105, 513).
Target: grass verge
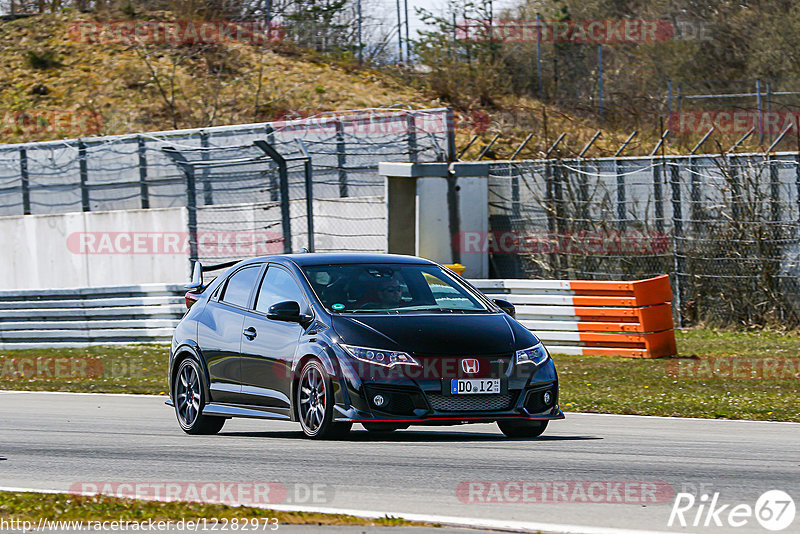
(67, 507)
(588, 383)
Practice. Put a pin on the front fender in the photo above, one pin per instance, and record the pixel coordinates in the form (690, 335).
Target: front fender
(192, 349)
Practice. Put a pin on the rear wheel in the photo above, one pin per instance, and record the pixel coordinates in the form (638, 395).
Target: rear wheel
(189, 398)
(315, 403)
(383, 427)
(522, 429)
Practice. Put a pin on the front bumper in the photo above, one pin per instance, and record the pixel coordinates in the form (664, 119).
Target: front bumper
(427, 404)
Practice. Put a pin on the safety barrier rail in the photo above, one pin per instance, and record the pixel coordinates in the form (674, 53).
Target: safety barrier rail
(89, 316)
(588, 317)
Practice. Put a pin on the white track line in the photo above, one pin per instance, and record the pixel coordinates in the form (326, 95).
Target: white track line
(448, 521)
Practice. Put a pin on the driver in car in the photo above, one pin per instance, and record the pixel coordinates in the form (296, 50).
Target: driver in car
(390, 292)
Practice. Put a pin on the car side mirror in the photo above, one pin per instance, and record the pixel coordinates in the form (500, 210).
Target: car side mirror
(288, 311)
(506, 307)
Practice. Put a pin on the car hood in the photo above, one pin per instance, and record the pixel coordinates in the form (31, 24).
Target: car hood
(446, 334)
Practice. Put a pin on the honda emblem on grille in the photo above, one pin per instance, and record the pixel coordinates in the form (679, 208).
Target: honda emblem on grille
(470, 366)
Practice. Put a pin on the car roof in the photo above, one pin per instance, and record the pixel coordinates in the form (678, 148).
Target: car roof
(333, 258)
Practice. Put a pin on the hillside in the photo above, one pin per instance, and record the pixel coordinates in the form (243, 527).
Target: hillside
(57, 83)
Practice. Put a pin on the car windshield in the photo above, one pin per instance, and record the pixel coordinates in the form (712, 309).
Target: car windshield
(391, 288)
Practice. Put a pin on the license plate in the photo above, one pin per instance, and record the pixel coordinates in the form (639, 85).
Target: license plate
(475, 386)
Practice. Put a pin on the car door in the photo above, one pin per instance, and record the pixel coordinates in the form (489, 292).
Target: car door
(269, 346)
(219, 332)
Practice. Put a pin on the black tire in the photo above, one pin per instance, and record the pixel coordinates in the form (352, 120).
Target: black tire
(188, 394)
(314, 400)
(383, 427)
(522, 429)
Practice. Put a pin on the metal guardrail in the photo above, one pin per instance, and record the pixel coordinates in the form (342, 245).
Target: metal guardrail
(89, 316)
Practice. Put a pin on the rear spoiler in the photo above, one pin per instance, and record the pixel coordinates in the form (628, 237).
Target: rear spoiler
(196, 285)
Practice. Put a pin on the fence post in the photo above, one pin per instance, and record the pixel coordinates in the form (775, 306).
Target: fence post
(309, 203)
(273, 179)
(621, 215)
(735, 190)
(516, 206)
(25, 181)
(84, 175)
(797, 183)
(450, 128)
(694, 195)
(411, 126)
(143, 190)
(677, 239)
(208, 195)
(191, 212)
(341, 159)
(657, 195)
(286, 220)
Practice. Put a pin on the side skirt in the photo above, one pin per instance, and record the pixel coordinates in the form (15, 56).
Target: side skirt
(228, 410)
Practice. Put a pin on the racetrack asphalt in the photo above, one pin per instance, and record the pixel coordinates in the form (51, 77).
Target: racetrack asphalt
(57, 441)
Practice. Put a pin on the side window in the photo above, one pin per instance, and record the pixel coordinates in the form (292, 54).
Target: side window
(279, 286)
(238, 287)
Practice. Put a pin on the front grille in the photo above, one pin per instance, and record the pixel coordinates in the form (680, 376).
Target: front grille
(470, 403)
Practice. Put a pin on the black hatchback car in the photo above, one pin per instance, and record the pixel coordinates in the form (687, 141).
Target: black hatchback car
(329, 340)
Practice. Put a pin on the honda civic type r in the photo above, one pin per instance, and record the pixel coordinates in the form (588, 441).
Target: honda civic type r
(329, 340)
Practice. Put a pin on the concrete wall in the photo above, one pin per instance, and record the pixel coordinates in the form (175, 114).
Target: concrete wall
(90, 249)
(110, 248)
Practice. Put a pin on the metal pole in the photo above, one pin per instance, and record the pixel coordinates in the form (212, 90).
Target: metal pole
(360, 43)
(600, 77)
(677, 238)
(399, 34)
(309, 184)
(539, 54)
(451, 134)
(488, 147)
(283, 174)
(408, 37)
(208, 196)
(143, 189)
(411, 126)
(84, 175)
(520, 147)
(669, 104)
(760, 118)
(769, 106)
(25, 180)
(341, 159)
(273, 180)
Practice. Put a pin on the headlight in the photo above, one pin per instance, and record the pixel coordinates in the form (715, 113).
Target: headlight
(536, 355)
(387, 358)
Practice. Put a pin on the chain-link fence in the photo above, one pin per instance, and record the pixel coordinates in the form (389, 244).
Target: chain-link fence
(726, 228)
(326, 195)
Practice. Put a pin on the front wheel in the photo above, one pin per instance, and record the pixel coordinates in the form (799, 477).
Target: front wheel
(522, 429)
(189, 398)
(315, 403)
